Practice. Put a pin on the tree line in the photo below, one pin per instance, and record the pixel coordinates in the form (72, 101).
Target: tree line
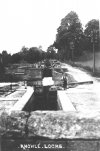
(72, 40)
(30, 55)
(70, 43)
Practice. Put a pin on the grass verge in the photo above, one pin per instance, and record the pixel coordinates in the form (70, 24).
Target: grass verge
(87, 69)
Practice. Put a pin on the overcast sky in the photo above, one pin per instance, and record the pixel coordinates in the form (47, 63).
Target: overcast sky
(34, 22)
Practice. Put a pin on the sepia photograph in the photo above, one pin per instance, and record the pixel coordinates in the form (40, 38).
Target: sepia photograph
(49, 75)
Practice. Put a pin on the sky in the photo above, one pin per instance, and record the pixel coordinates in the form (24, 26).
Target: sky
(34, 23)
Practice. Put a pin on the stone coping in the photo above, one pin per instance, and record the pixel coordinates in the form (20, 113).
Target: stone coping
(23, 100)
(64, 102)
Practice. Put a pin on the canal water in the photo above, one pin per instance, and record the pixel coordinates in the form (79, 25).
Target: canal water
(44, 100)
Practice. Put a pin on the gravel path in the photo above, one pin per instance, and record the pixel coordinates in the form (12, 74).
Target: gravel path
(86, 97)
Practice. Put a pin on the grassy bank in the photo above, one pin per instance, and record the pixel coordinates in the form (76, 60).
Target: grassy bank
(86, 63)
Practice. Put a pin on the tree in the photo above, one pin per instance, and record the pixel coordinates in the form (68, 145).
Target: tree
(23, 53)
(51, 53)
(6, 58)
(32, 54)
(92, 34)
(16, 58)
(2, 69)
(69, 31)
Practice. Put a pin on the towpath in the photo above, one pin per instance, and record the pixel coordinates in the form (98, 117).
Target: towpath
(86, 97)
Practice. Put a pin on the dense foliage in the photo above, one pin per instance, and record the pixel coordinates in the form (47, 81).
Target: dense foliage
(69, 36)
(29, 55)
(71, 40)
(51, 53)
(92, 34)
